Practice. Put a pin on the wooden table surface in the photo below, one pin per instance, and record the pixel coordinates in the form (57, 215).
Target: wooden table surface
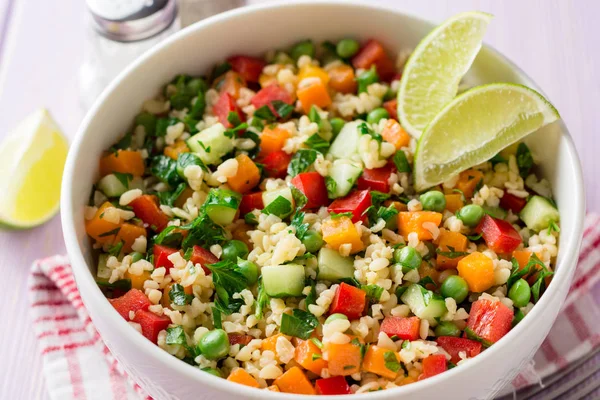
(41, 47)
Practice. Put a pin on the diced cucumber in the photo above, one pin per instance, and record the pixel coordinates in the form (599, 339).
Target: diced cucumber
(221, 205)
(333, 266)
(283, 280)
(345, 144)
(211, 144)
(103, 272)
(538, 213)
(423, 303)
(344, 173)
(112, 186)
(496, 212)
(278, 202)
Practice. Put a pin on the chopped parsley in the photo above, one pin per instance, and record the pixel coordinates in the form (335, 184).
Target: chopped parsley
(300, 324)
(524, 160)
(178, 295)
(335, 215)
(123, 178)
(365, 130)
(227, 280)
(301, 161)
(262, 299)
(451, 253)
(391, 362)
(282, 109)
(316, 142)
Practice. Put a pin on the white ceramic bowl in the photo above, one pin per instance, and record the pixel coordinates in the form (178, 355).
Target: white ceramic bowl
(254, 30)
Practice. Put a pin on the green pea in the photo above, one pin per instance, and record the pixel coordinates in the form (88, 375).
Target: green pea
(313, 241)
(346, 48)
(304, 48)
(408, 257)
(214, 345)
(249, 270)
(518, 317)
(135, 256)
(336, 125)
(433, 200)
(212, 371)
(376, 115)
(234, 249)
(197, 85)
(456, 287)
(367, 78)
(282, 58)
(446, 328)
(334, 317)
(520, 293)
(470, 214)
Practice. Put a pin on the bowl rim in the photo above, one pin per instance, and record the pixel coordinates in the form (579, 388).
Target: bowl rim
(93, 294)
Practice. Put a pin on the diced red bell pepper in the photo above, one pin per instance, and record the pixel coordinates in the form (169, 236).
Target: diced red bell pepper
(454, 345)
(374, 53)
(276, 163)
(333, 385)
(376, 179)
(151, 324)
(249, 68)
(403, 328)
(391, 106)
(499, 235)
(312, 184)
(488, 321)
(239, 338)
(268, 94)
(356, 203)
(251, 201)
(349, 300)
(512, 202)
(224, 105)
(433, 365)
(202, 256)
(134, 300)
(161, 254)
(146, 208)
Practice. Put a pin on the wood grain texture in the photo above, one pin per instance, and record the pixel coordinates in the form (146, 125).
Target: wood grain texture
(553, 42)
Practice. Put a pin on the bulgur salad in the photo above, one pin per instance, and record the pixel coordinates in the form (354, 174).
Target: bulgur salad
(261, 224)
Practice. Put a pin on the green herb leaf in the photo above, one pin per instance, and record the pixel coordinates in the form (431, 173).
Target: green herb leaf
(300, 198)
(178, 296)
(280, 207)
(122, 284)
(311, 298)
(233, 133)
(282, 109)
(401, 162)
(199, 106)
(298, 223)
(227, 280)
(331, 186)
(265, 114)
(498, 159)
(165, 169)
(301, 161)
(262, 300)
(553, 227)
(400, 291)
(116, 249)
(451, 253)
(220, 70)
(386, 213)
(300, 324)
(234, 118)
(365, 130)
(524, 160)
(122, 144)
(474, 238)
(169, 198)
(391, 362)
(335, 215)
(176, 335)
(528, 270)
(168, 237)
(148, 121)
(427, 281)
(110, 233)
(317, 342)
(163, 123)
(217, 318)
(373, 291)
(123, 178)
(316, 142)
(186, 159)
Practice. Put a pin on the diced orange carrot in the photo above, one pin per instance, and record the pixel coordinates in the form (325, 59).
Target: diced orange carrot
(309, 356)
(127, 234)
(137, 281)
(397, 205)
(338, 231)
(241, 376)
(294, 381)
(478, 270)
(468, 181)
(186, 194)
(343, 359)
(312, 71)
(379, 361)
(454, 202)
(522, 257)
(313, 94)
(393, 133)
(175, 149)
(230, 82)
(341, 79)
(123, 161)
(247, 175)
(448, 239)
(165, 301)
(272, 139)
(412, 221)
(100, 229)
(270, 343)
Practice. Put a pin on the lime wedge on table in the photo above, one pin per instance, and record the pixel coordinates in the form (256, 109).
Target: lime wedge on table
(476, 126)
(432, 73)
(33, 156)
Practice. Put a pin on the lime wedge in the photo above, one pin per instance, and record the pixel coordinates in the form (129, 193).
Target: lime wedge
(33, 157)
(475, 126)
(432, 73)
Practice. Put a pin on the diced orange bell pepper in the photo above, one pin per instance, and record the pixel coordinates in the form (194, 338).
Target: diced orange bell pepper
(313, 94)
(454, 202)
(137, 281)
(272, 140)
(127, 234)
(448, 239)
(123, 161)
(270, 343)
(241, 376)
(100, 229)
(294, 381)
(230, 82)
(380, 361)
(478, 270)
(247, 175)
(393, 133)
(343, 359)
(397, 205)
(312, 71)
(522, 257)
(338, 231)
(309, 356)
(412, 221)
(468, 181)
(342, 79)
(175, 149)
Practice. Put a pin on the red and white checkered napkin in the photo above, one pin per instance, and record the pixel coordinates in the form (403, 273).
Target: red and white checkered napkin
(77, 364)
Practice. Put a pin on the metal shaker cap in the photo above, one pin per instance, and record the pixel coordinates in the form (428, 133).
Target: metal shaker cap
(131, 20)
